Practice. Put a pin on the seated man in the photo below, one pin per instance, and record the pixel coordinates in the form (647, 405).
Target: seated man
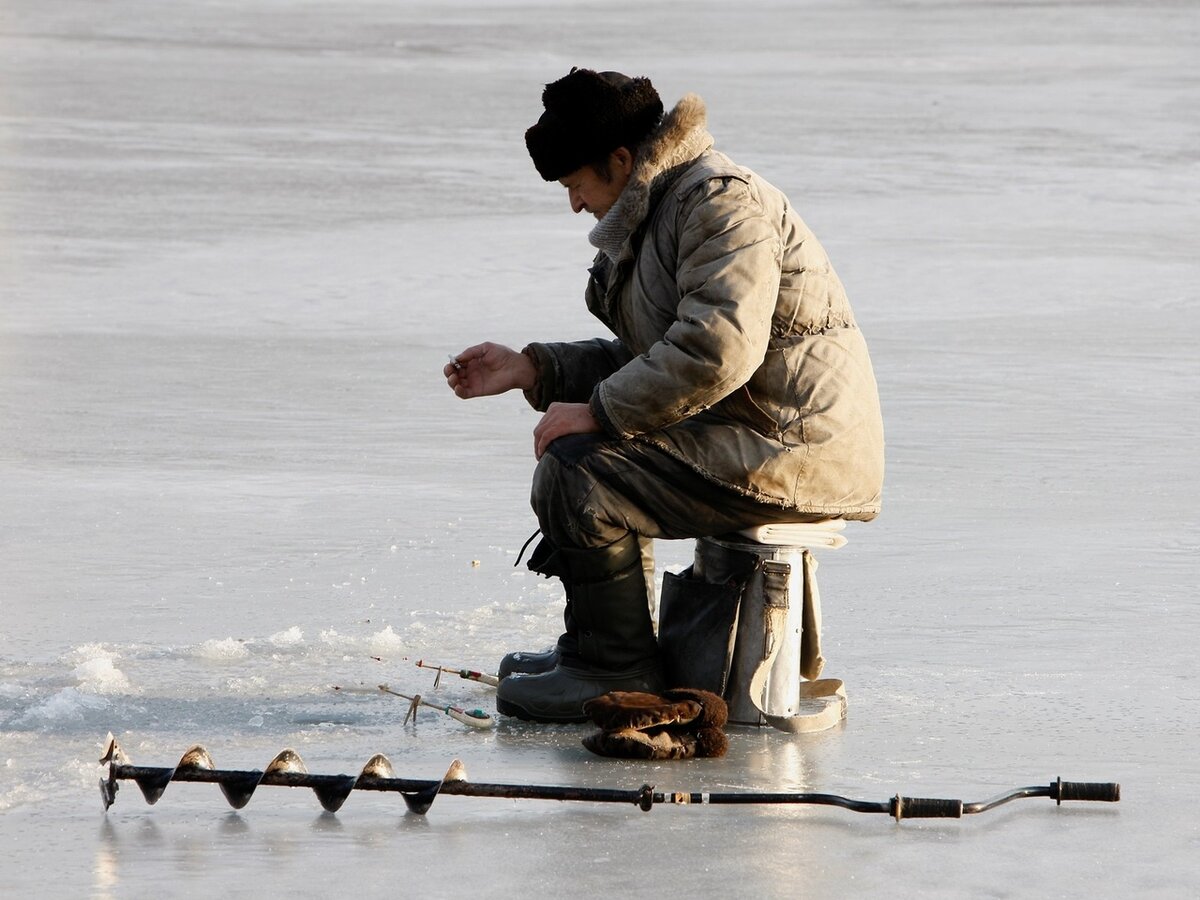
(738, 391)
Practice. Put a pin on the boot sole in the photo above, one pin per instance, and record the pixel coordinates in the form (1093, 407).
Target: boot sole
(519, 712)
(648, 680)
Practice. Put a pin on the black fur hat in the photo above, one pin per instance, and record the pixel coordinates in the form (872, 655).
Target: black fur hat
(588, 115)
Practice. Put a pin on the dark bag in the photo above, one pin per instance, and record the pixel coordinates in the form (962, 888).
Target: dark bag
(697, 621)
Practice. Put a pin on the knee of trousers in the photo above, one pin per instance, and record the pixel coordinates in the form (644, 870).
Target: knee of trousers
(559, 498)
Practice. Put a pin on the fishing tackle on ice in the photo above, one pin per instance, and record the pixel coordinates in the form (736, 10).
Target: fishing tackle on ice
(468, 674)
(475, 718)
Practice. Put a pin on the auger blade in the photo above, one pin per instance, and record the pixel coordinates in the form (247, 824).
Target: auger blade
(108, 792)
(154, 784)
(333, 793)
(196, 757)
(239, 787)
(419, 801)
(287, 761)
(378, 766)
(113, 752)
(114, 756)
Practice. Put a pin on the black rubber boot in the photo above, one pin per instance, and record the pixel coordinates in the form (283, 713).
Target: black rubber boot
(545, 560)
(558, 696)
(528, 662)
(615, 645)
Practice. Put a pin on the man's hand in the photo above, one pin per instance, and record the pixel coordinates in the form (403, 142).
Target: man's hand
(562, 419)
(488, 369)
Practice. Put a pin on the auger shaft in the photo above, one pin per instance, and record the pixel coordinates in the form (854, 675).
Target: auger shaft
(288, 770)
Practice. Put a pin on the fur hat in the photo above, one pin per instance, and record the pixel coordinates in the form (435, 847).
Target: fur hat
(588, 115)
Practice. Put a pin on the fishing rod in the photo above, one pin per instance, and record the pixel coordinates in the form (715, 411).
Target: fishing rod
(468, 674)
(287, 769)
(476, 718)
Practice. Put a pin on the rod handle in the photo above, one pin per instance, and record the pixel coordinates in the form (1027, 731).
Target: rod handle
(925, 808)
(1103, 791)
(476, 718)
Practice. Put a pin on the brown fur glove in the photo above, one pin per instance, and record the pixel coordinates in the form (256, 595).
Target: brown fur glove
(679, 724)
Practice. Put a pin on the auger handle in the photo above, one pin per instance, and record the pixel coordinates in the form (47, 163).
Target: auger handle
(1103, 791)
(925, 808)
(476, 718)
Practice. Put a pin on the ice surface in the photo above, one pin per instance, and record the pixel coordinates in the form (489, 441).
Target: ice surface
(237, 241)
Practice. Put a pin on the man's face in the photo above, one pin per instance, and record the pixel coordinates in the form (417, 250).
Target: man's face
(590, 192)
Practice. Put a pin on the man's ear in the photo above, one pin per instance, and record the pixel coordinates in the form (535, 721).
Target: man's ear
(622, 160)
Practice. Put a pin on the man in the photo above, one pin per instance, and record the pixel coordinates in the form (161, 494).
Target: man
(738, 391)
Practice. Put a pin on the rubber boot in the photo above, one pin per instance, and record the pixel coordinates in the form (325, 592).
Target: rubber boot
(528, 662)
(545, 560)
(533, 662)
(615, 645)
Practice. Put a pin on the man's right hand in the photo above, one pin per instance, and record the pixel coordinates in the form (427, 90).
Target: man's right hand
(488, 369)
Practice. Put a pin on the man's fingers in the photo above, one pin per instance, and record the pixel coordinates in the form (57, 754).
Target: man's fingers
(541, 437)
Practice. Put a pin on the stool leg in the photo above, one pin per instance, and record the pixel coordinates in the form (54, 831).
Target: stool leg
(647, 547)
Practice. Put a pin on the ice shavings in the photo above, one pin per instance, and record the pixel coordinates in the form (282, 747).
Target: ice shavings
(100, 676)
(254, 685)
(220, 650)
(69, 704)
(17, 795)
(386, 642)
(95, 670)
(9, 691)
(380, 643)
(289, 637)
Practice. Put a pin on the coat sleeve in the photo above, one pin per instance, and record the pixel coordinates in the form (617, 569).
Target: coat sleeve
(727, 275)
(569, 372)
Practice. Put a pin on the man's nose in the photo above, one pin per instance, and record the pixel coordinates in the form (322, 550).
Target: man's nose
(576, 202)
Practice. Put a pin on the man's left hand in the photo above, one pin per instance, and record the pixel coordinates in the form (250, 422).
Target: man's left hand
(562, 419)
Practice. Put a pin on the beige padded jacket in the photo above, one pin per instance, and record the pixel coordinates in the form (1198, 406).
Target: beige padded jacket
(736, 351)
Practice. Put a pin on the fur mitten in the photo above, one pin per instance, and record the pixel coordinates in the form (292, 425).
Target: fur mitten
(679, 724)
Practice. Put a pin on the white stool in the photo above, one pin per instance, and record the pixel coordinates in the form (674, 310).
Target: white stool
(774, 673)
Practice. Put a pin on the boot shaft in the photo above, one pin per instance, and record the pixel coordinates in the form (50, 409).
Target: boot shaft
(606, 609)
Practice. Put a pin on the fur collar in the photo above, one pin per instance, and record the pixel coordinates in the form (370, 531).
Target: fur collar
(680, 138)
(673, 145)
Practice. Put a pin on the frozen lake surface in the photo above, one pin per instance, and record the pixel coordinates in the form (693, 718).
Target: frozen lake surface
(237, 241)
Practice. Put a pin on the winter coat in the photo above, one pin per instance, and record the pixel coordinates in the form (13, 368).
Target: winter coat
(736, 352)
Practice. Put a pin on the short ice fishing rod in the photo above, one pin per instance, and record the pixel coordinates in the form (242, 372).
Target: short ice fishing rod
(287, 769)
(476, 718)
(468, 674)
